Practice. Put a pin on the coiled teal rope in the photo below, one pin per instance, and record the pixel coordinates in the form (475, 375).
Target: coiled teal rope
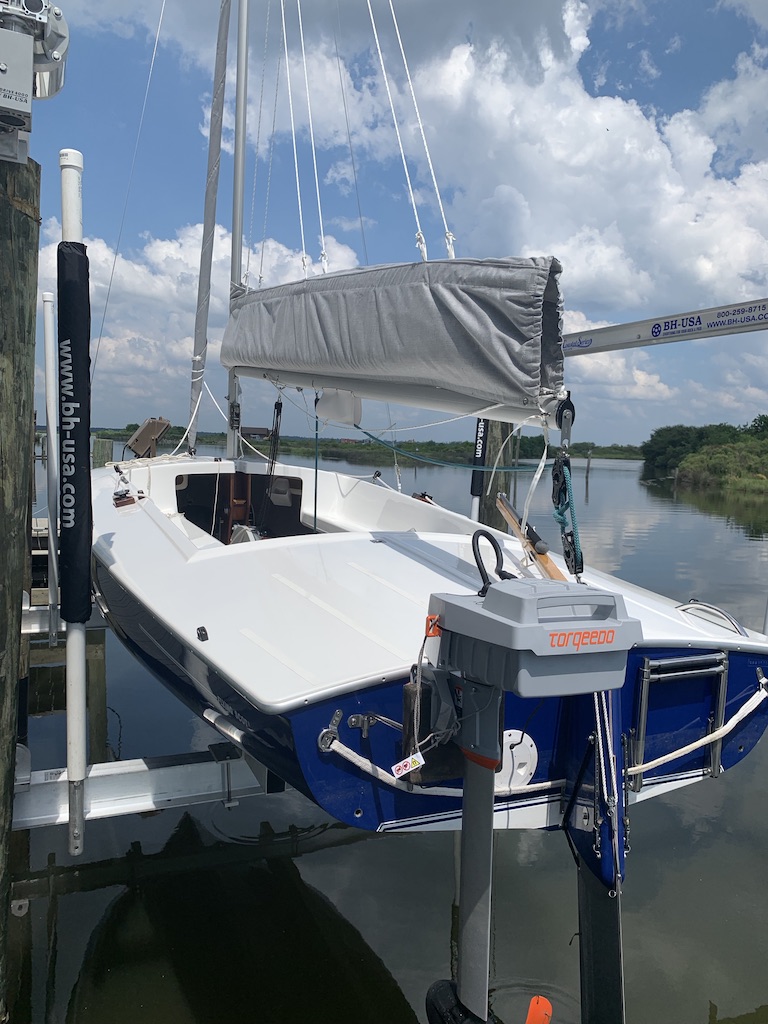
(560, 511)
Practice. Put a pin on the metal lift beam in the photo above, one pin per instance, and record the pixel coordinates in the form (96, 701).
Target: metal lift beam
(700, 323)
(137, 786)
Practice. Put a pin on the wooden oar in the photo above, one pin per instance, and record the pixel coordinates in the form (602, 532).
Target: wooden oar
(539, 1011)
(531, 541)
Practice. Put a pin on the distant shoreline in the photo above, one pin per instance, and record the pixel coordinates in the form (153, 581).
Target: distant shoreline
(408, 452)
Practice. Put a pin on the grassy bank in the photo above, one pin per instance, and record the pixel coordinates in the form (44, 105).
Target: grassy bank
(740, 468)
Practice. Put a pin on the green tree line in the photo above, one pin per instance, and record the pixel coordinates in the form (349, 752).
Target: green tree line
(408, 453)
(719, 454)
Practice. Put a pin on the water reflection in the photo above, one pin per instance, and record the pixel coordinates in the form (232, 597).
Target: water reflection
(201, 930)
(760, 1016)
(747, 511)
(217, 938)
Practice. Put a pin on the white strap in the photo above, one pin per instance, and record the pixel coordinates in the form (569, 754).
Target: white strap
(367, 766)
(420, 243)
(449, 237)
(293, 137)
(323, 253)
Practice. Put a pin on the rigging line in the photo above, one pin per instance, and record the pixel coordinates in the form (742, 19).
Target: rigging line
(535, 480)
(449, 236)
(498, 460)
(293, 137)
(440, 462)
(258, 142)
(225, 417)
(349, 133)
(391, 427)
(611, 755)
(269, 170)
(323, 253)
(420, 242)
(213, 399)
(128, 190)
(192, 419)
(394, 453)
(515, 430)
(317, 461)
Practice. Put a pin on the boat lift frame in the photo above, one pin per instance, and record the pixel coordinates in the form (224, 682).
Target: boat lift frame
(106, 789)
(137, 786)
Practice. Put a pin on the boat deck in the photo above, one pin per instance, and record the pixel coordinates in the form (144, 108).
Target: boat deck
(293, 620)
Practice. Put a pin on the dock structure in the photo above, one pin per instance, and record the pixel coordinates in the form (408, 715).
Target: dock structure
(114, 786)
(19, 241)
(488, 513)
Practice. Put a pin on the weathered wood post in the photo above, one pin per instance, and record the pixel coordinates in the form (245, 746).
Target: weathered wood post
(19, 239)
(102, 452)
(489, 515)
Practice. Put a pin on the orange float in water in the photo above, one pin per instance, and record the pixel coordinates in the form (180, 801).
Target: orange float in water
(539, 1011)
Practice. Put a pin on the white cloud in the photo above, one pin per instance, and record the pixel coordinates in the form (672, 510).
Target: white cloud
(634, 209)
(734, 112)
(576, 321)
(648, 69)
(598, 267)
(755, 9)
(143, 359)
(352, 223)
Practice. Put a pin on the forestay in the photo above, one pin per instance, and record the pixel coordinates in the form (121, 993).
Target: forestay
(478, 337)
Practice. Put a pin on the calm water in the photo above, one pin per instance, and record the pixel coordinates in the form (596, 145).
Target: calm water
(272, 916)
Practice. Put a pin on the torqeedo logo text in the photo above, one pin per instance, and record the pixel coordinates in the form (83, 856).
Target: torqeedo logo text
(579, 638)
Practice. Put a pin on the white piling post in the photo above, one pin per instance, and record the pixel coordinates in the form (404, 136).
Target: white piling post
(71, 164)
(76, 733)
(52, 466)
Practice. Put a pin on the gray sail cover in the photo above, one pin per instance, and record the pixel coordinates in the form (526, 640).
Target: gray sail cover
(480, 337)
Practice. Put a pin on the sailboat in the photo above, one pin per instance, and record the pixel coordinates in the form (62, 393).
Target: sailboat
(289, 607)
(393, 660)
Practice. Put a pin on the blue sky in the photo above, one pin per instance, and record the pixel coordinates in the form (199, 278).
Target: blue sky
(629, 138)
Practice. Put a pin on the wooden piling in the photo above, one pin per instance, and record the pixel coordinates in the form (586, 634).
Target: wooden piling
(102, 452)
(19, 240)
(489, 514)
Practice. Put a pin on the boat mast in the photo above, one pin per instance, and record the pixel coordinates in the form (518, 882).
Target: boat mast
(236, 273)
(209, 222)
(240, 142)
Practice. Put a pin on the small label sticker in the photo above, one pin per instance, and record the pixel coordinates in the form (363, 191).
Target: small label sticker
(408, 764)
